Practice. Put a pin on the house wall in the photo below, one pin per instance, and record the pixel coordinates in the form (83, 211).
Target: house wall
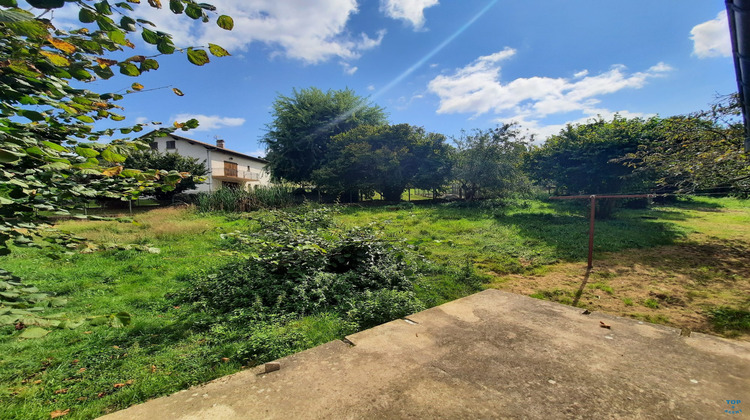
(214, 159)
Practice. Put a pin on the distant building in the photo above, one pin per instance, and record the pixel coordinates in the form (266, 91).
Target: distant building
(226, 168)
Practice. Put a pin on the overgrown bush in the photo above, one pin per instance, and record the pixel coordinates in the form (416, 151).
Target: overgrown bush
(238, 200)
(298, 263)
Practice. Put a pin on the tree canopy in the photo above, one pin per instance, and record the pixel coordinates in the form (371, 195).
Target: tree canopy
(585, 158)
(48, 151)
(698, 151)
(385, 159)
(488, 162)
(297, 140)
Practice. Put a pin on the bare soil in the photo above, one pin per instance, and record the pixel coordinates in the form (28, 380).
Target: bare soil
(675, 285)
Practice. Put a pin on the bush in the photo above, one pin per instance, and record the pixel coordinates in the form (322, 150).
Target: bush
(295, 265)
(238, 200)
(376, 307)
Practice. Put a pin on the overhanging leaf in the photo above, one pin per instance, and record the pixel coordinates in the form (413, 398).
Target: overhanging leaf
(225, 22)
(217, 51)
(197, 57)
(177, 92)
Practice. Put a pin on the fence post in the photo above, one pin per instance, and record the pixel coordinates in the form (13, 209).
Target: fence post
(591, 231)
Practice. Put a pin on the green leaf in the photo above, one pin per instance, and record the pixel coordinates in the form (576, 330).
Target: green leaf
(32, 115)
(33, 332)
(110, 156)
(194, 11)
(46, 4)
(86, 15)
(86, 152)
(103, 7)
(127, 23)
(129, 69)
(217, 50)
(54, 146)
(8, 157)
(118, 37)
(165, 46)
(197, 57)
(8, 3)
(103, 72)
(225, 22)
(176, 6)
(149, 64)
(120, 320)
(150, 36)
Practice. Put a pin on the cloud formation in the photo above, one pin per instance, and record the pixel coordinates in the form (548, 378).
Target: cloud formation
(711, 38)
(411, 11)
(210, 122)
(478, 89)
(312, 31)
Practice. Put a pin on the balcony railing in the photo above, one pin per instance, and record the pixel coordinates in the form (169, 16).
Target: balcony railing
(234, 173)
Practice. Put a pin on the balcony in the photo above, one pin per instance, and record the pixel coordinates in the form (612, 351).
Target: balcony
(235, 175)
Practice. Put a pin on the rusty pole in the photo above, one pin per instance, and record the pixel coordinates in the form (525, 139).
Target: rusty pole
(591, 231)
(592, 199)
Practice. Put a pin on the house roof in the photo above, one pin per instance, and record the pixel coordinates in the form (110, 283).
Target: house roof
(214, 147)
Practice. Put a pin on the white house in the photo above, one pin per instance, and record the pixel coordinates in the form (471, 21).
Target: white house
(226, 168)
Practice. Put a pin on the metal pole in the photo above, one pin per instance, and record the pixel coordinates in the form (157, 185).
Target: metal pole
(591, 231)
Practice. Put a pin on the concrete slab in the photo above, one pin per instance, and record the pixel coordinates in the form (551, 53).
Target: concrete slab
(489, 355)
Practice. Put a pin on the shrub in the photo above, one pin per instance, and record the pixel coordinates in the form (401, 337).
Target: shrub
(238, 200)
(292, 265)
(376, 307)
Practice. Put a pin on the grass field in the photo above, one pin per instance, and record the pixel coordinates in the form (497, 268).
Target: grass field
(684, 265)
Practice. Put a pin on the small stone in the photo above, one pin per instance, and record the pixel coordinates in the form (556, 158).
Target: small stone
(694, 381)
(272, 367)
(552, 382)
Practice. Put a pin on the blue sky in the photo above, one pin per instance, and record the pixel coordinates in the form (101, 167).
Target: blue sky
(446, 65)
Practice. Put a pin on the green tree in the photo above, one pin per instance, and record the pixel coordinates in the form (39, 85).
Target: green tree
(488, 162)
(48, 151)
(191, 168)
(386, 159)
(698, 151)
(586, 158)
(298, 138)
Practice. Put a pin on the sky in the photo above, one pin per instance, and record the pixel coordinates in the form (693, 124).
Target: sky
(445, 65)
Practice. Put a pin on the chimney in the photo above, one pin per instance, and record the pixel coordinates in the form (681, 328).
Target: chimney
(220, 143)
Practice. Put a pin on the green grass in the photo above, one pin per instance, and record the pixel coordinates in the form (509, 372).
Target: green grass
(730, 319)
(513, 237)
(168, 348)
(651, 303)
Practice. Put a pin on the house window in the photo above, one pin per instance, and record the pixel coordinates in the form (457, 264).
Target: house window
(154, 145)
(170, 144)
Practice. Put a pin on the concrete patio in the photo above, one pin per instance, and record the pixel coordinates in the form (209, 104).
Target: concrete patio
(489, 355)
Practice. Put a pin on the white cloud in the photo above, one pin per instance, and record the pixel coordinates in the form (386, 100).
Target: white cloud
(312, 31)
(478, 89)
(348, 68)
(371, 88)
(210, 122)
(408, 10)
(711, 38)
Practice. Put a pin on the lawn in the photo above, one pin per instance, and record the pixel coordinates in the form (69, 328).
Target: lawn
(684, 265)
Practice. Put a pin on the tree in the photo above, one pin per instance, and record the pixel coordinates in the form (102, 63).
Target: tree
(48, 151)
(386, 159)
(585, 158)
(488, 162)
(698, 151)
(298, 138)
(149, 159)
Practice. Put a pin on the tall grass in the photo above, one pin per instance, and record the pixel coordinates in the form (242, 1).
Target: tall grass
(237, 200)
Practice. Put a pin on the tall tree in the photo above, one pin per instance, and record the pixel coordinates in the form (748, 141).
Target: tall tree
(386, 159)
(488, 162)
(297, 140)
(699, 151)
(49, 157)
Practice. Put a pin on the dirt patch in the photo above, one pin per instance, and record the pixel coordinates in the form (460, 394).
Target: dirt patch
(675, 285)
